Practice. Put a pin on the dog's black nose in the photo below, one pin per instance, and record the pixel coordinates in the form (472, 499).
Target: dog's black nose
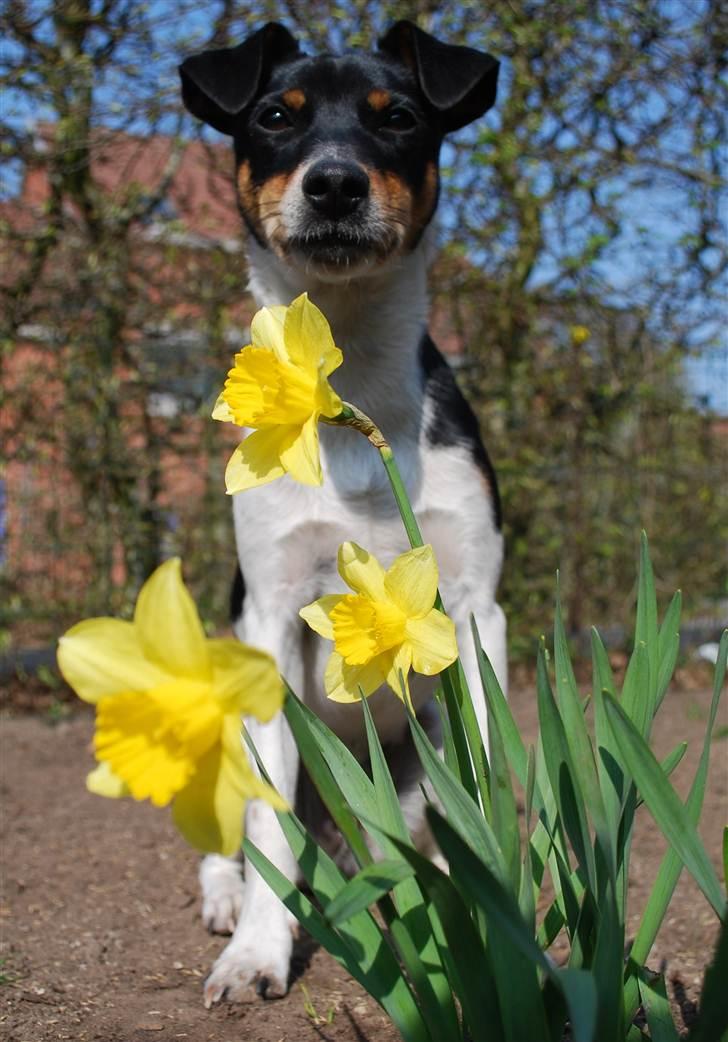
(335, 188)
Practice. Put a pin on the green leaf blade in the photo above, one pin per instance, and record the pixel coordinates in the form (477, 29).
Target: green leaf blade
(663, 803)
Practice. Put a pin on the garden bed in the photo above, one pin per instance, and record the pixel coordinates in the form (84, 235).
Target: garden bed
(99, 925)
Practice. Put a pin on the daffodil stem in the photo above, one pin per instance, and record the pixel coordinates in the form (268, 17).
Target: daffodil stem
(350, 416)
(466, 733)
(400, 494)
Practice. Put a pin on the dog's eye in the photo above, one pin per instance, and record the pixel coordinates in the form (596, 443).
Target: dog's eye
(275, 118)
(398, 119)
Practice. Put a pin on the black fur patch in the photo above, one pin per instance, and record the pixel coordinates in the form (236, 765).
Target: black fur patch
(453, 422)
(237, 595)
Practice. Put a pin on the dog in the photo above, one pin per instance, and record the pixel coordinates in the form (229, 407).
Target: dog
(337, 178)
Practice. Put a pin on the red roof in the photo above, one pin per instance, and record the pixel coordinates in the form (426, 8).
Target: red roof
(201, 193)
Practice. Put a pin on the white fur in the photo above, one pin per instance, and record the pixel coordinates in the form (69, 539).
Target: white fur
(288, 536)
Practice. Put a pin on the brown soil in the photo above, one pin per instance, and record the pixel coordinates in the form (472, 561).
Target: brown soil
(100, 931)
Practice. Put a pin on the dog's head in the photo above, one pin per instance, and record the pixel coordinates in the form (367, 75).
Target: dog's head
(337, 157)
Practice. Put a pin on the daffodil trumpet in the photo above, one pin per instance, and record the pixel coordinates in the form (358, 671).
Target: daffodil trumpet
(169, 703)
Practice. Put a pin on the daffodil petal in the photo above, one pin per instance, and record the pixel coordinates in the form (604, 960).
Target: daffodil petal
(245, 679)
(209, 810)
(411, 582)
(222, 411)
(332, 360)
(362, 572)
(317, 614)
(301, 458)
(168, 625)
(236, 757)
(257, 460)
(309, 342)
(103, 782)
(100, 657)
(343, 682)
(399, 670)
(433, 642)
(328, 402)
(267, 330)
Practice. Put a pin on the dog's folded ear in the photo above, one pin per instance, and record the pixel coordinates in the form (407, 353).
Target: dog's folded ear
(459, 82)
(218, 85)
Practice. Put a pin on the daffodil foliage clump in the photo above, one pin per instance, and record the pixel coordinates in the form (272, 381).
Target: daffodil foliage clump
(464, 956)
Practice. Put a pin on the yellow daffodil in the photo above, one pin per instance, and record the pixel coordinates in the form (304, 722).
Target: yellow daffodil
(580, 335)
(279, 387)
(168, 710)
(387, 626)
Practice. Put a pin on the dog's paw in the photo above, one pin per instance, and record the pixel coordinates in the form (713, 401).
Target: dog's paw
(246, 971)
(222, 893)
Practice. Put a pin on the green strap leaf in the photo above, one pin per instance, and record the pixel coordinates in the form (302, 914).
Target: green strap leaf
(498, 705)
(580, 744)
(669, 763)
(417, 944)
(469, 966)
(712, 1023)
(464, 728)
(458, 805)
(327, 760)
(646, 625)
(512, 933)
(365, 889)
(636, 699)
(504, 812)
(668, 647)
(378, 971)
(658, 794)
(672, 865)
(528, 892)
(657, 1008)
(561, 772)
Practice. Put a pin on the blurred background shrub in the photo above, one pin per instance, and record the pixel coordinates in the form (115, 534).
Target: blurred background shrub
(575, 288)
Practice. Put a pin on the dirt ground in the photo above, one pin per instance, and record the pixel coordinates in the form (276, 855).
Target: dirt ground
(100, 936)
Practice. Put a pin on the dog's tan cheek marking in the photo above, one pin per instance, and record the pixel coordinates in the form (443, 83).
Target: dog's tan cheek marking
(424, 204)
(392, 195)
(394, 202)
(294, 98)
(270, 201)
(378, 99)
(248, 195)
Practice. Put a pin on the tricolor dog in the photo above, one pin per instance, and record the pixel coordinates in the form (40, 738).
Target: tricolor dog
(337, 179)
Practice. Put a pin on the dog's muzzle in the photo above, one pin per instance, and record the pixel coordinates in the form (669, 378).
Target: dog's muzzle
(336, 223)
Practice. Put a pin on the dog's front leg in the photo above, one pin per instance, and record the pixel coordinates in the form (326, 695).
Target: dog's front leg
(256, 960)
